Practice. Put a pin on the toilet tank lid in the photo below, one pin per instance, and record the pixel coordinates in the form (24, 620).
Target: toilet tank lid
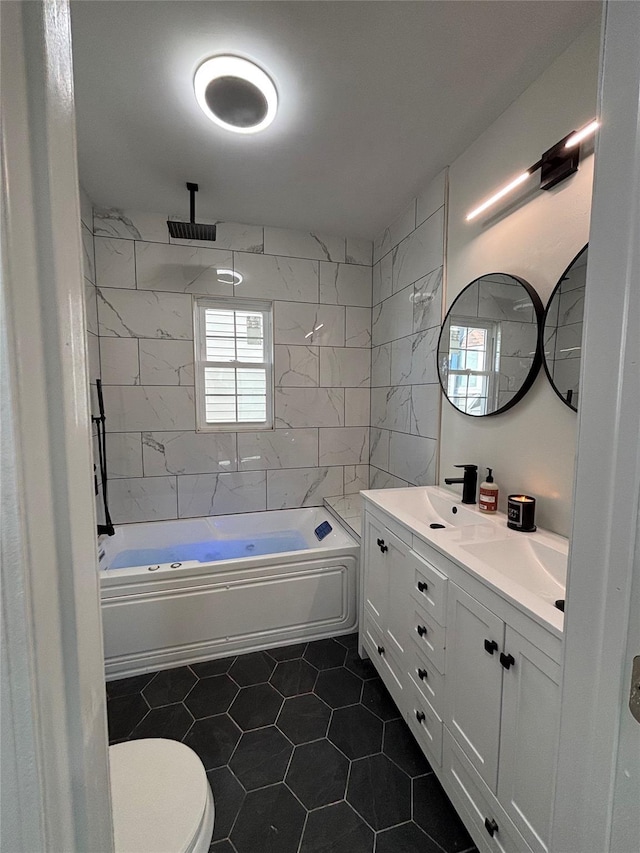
(159, 792)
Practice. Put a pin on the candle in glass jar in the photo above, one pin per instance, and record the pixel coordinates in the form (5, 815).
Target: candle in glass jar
(521, 512)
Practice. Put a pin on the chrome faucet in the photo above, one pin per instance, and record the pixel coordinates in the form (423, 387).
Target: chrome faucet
(469, 482)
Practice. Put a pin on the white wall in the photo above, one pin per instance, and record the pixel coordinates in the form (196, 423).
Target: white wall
(532, 446)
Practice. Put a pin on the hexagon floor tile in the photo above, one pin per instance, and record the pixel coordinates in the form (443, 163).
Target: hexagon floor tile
(304, 750)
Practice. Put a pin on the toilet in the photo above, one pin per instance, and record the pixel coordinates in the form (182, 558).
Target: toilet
(161, 799)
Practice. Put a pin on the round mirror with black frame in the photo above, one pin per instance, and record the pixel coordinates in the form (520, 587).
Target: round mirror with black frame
(562, 331)
(488, 350)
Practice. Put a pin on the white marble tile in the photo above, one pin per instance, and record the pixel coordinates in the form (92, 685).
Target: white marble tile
(348, 505)
(413, 359)
(86, 209)
(93, 356)
(357, 406)
(466, 301)
(382, 285)
(88, 259)
(427, 301)
(513, 372)
(229, 235)
(356, 478)
(401, 226)
(379, 448)
(381, 366)
(303, 244)
(309, 325)
(345, 284)
(431, 198)
(344, 367)
(571, 307)
(383, 480)
(131, 408)
(119, 361)
(391, 408)
(188, 453)
(272, 277)
(296, 367)
(518, 339)
(425, 410)
(420, 252)
(358, 327)
(143, 499)
(144, 314)
(183, 269)
(91, 307)
(166, 362)
(344, 445)
(115, 262)
(124, 455)
(393, 318)
(413, 458)
(308, 407)
(221, 494)
(130, 225)
(280, 448)
(569, 341)
(501, 299)
(566, 377)
(302, 487)
(359, 251)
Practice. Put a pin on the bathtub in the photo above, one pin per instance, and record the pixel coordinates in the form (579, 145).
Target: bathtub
(176, 592)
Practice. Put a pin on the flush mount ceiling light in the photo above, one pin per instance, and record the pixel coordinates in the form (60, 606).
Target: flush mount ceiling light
(236, 94)
(556, 164)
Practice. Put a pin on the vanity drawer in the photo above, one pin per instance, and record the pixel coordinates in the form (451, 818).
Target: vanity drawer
(477, 805)
(428, 635)
(428, 587)
(426, 726)
(388, 667)
(427, 679)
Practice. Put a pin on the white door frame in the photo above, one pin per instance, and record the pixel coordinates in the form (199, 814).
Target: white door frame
(55, 784)
(592, 785)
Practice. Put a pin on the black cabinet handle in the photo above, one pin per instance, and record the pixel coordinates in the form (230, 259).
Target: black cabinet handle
(420, 716)
(380, 542)
(423, 674)
(490, 646)
(422, 586)
(380, 650)
(421, 630)
(384, 548)
(491, 826)
(506, 660)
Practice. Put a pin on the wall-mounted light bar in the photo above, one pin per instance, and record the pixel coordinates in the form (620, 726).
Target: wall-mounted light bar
(556, 164)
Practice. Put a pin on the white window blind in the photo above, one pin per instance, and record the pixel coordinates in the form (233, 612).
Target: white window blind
(234, 364)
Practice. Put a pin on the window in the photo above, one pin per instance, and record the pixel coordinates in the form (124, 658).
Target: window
(234, 373)
(474, 359)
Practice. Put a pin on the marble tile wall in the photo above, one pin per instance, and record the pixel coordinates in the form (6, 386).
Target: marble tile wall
(408, 263)
(159, 466)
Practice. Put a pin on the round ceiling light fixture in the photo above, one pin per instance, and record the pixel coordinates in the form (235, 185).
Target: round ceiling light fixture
(236, 94)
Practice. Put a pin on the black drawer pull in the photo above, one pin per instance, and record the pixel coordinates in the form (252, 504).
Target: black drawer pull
(421, 630)
(422, 586)
(423, 674)
(384, 548)
(490, 646)
(380, 542)
(380, 650)
(491, 826)
(420, 716)
(506, 660)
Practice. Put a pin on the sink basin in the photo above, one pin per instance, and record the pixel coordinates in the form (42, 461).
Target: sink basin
(427, 505)
(533, 564)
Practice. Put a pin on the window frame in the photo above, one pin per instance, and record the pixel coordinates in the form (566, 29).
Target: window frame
(492, 353)
(200, 304)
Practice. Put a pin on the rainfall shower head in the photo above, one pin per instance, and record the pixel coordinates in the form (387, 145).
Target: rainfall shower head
(191, 230)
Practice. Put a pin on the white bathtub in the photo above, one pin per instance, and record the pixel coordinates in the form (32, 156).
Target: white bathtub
(160, 614)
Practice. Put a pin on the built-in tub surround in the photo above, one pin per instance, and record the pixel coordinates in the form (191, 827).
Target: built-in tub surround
(407, 312)
(159, 466)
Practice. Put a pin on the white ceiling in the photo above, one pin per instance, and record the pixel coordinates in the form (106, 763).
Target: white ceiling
(375, 99)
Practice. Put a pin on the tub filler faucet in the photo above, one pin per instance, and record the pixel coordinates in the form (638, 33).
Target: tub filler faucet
(469, 482)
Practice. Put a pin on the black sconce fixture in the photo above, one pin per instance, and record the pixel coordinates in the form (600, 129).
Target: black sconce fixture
(556, 164)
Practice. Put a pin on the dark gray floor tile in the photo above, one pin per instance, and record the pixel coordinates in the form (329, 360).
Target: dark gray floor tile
(169, 686)
(256, 706)
(380, 792)
(433, 812)
(338, 687)
(304, 718)
(401, 747)
(170, 721)
(360, 666)
(293, 677)
(317, 774)
(123, 714)
(213, 739)
(254, 668)
(222, 847)
(325, 654)
(270, 821)
(349, 641)
(128, 686)
(261, 758)
(288, 652)
(228, 797)
(376, 698)
(408, 838)
(356, 731)
(336, 829)
(211, 696)
(206, 668)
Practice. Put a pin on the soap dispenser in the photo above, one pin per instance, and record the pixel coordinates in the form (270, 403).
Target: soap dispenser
(488, 500)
